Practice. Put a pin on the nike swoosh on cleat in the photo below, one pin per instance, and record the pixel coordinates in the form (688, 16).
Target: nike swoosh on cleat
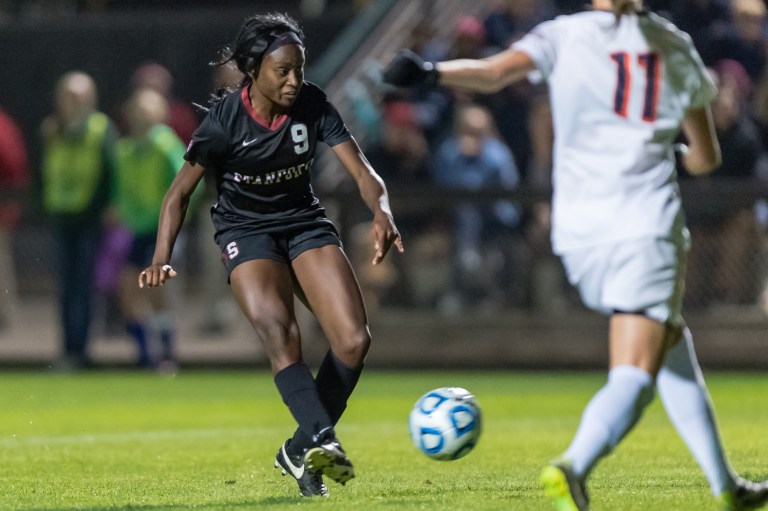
(296, 472)
(246, 143)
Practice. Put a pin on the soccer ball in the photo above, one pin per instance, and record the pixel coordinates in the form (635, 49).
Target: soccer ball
(445, 423)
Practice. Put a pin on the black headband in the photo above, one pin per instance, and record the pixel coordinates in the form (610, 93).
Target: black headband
(283, 39)
(257, 47)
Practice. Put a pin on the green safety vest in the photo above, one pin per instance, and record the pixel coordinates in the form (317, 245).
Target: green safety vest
(73, 167)
(145, 170)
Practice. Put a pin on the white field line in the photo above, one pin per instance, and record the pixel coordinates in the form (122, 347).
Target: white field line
(135, 436)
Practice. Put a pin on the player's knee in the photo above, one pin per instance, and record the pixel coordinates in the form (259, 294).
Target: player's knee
(673, 333)
(352, 347)
(275, 334)
(638, 385)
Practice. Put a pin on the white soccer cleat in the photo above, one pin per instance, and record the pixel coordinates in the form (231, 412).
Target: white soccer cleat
(328, 458)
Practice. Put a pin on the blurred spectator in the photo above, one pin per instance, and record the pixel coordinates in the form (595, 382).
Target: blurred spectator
(511, 107)
(402, 151)
(468, 38)
(474, 159)
(699, 18)
(182, 117)
(736, 130)
(111, 255)
(726, 237)
(542, 136)
(116, 241)
(431, 105)
(742, 40)
(759, 106)
(507, 20)
(364, 111)
(545, 287)
(14, 175)
(424, 40)
(401, 157)
(77, 167)
(221, 311)
(147, 162)
(468, 43)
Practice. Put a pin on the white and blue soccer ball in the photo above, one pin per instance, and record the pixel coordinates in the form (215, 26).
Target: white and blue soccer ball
(445, 423)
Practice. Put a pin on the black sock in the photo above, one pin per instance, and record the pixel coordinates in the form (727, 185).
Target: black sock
(299, 392)
(335, 382)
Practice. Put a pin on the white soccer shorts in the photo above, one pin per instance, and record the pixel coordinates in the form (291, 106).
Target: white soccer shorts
(644, 276)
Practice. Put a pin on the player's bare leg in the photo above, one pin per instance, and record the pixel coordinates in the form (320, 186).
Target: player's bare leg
(331, 290)
(637, 345)
(264, 290)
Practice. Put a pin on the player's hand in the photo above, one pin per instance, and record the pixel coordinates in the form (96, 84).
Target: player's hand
(408, 69)
(384, 234)
(156, 274)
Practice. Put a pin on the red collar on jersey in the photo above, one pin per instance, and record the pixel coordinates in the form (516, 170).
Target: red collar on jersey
(276, 122)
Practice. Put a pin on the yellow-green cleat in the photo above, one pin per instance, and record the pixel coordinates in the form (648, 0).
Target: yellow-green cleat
(563, 488)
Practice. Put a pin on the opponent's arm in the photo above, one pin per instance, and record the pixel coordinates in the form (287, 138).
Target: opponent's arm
(172, 213)
(486, 75)
(703, 153)
(374, 194)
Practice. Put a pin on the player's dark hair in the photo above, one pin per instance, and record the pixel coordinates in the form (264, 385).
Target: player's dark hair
(255, 35)
(622, 7)
(250, 45)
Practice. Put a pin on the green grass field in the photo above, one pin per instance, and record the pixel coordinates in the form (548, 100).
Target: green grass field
(206, 441)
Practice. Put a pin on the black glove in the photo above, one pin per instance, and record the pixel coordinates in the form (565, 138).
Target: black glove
(407, 69)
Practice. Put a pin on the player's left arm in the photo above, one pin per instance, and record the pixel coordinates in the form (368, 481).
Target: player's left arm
(374, 194)
(172, 213)
(703, 154)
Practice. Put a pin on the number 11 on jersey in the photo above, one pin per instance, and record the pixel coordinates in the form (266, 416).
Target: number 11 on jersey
(650, 63)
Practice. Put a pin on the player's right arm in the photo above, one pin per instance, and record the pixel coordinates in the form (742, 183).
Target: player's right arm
(486, 75)
(172, 213)
(703, 153)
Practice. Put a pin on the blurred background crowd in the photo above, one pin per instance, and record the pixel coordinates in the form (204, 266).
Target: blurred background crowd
(468, 174)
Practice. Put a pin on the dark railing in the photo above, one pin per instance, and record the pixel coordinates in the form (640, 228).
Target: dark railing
(530, 318)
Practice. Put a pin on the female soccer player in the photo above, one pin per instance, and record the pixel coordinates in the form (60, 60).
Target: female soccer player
(623, 82)
(275, 238)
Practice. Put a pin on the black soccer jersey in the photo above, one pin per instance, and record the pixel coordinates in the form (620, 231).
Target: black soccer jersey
(263, 172)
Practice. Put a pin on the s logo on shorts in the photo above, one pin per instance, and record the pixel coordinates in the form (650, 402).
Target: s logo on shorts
(232, 250)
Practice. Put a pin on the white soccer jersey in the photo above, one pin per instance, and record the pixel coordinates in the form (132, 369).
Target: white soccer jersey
(619, 94)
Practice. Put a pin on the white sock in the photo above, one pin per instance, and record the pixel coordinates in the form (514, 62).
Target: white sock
(686, 400)
(609, 416)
